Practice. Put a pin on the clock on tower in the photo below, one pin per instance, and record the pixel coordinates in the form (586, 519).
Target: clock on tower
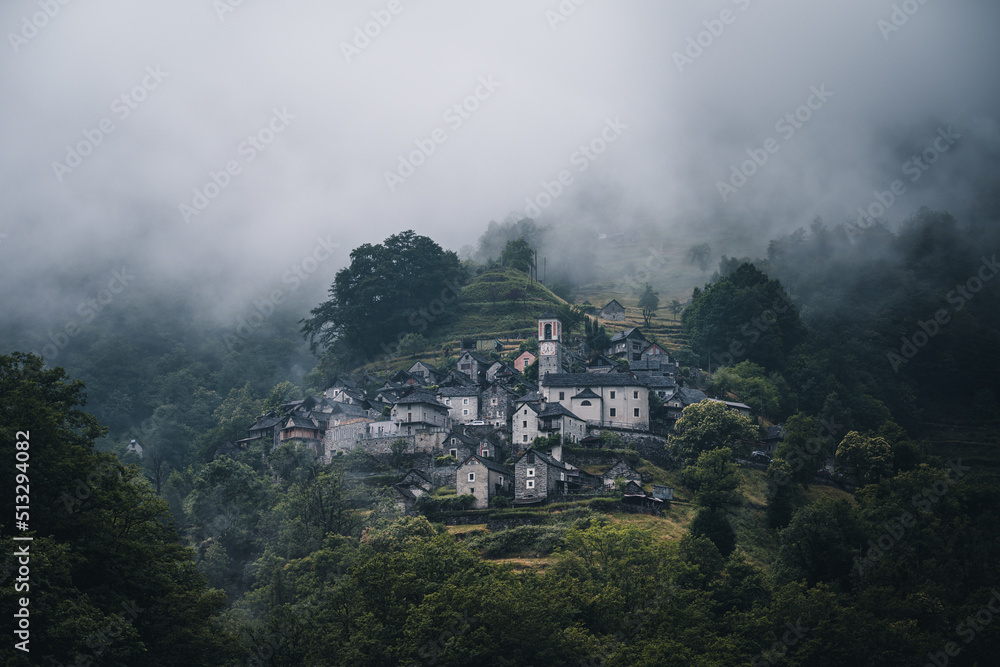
(549, 343)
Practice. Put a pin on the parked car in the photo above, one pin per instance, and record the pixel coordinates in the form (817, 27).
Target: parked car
(758, 456)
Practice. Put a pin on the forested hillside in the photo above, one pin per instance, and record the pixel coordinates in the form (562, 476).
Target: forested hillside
(877, 349)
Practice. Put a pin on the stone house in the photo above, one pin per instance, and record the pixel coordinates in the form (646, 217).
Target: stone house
(413, 485)
(538, 477)
(460, 445)
(462, 402)
(484, 479)
(474, 365)
(613, 311)
(420, 411)
(622, 470)
(498, 404)
(628, 344)
(429, 374)
(342, 436)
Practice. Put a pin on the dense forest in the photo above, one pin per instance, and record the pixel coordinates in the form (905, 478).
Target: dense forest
(879, 347)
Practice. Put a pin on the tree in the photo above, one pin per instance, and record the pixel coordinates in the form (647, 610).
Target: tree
(700, 254)
(868, 458)
(649, 301)
(116, 587)
(517, 254)
(744, 315)
(709, 425)
(675, 308)
(387, 290)
(802, 448)
(714, 478)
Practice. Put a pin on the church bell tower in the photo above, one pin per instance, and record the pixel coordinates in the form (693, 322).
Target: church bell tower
(549, 345)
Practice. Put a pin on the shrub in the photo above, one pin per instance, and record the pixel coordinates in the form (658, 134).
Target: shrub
(519, 541)
(606, 505)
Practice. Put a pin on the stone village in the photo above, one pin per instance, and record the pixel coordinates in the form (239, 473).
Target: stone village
(485, 429)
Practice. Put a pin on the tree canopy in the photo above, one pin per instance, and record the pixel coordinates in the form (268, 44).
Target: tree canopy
(402, 285)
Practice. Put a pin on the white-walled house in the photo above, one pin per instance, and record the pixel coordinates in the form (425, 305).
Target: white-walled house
(420, 411)
(618, 400)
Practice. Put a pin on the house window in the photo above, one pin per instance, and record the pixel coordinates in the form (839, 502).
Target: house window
(635, 412)
(447, 401)
(524, 423)
(614, 413)
(453, 452)
(524, 438)
(531, 472)
(586, 403)
(562, 395)
(531, 484)
(465, 401)
(501, 480)
(493, 401)
(465, 412)
(635, 394)
(409, 416)
(486, 452)
(612, 394)
(472, 477)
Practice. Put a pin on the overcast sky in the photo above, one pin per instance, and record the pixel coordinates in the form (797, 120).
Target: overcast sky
(151, 99)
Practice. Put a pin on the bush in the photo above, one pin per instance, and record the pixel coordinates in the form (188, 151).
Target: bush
(500, 502)
(445, 460)
(431, 504)
(531, 541)
(606, 505)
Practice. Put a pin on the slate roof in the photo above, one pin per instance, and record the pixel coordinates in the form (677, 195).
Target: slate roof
(265, 423)
(557, 410)
(590, 380)
(421, 397)
(633, 333)
(458, 391)
(492, 465)
(544, 457)
(690, 396)
(478, 357)
(300, 421)
(587, 393)
(613, 301)
(466, 439)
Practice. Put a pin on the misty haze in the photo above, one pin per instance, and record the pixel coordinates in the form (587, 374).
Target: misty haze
(555, 332)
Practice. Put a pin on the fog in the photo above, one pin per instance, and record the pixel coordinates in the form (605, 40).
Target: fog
(217, 150)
